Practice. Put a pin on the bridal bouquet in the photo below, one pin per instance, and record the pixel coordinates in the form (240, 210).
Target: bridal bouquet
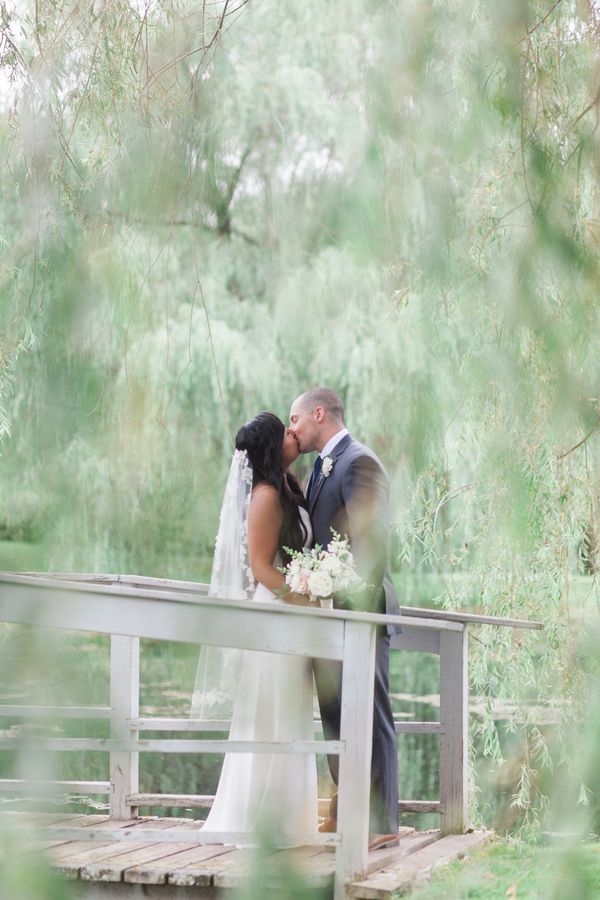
(320, 573)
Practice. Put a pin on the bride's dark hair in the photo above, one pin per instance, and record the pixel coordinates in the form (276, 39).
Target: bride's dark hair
(262, 438)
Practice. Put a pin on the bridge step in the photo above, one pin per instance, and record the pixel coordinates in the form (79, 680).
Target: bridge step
(416, 860)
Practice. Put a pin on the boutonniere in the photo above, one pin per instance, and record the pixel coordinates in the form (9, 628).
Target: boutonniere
(327, 466)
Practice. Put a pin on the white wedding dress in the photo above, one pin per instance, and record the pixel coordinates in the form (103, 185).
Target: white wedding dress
(263, 792)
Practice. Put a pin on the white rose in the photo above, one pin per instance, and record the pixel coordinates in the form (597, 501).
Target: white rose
(298, 584)
(327, 466)
(307, 567)
(338, 547)
(320, 584)
(332, 566)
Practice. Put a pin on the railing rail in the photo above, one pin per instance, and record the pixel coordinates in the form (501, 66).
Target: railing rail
(201, 587)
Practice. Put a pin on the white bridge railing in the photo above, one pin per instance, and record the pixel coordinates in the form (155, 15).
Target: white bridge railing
(132, 607)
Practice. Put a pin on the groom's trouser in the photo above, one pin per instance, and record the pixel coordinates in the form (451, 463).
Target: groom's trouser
(383, 817)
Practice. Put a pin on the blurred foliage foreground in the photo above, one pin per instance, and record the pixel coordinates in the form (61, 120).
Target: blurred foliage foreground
(207, 208)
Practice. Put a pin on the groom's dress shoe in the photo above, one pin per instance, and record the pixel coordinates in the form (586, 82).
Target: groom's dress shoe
(379, 841)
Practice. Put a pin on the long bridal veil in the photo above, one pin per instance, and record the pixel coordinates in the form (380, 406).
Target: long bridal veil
(231, 578)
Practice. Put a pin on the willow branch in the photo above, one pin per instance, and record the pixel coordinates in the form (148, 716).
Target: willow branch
(132, 219)
(582, 441)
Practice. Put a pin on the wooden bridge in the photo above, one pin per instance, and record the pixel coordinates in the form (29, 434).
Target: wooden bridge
(125, 849)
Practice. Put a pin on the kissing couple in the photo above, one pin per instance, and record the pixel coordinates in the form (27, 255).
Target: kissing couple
(264, 515)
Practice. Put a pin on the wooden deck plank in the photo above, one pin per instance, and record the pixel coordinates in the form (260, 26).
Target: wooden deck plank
(315, 869)
(221, 868)
(316, 864)
(410, 841)
(38, 822)
(417, 866)
(84, 821)
(318, 870)
(105, 823)
(74, 851)
(108, 824)
(184, 864)
(76, 855)
(190, 835)
(168, 857)
(113, 867)
(29, 848)
(81, 850)
(164, 823)
(68, 859)
(41, 819)
(125, 856)
(195, 861)
(276, 866)
(23, 846)
(93, 849)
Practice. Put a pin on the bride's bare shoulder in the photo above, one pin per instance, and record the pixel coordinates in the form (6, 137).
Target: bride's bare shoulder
(264, 493)
(265, 507)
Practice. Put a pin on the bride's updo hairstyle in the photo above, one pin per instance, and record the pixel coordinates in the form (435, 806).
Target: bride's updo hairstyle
(262, 438)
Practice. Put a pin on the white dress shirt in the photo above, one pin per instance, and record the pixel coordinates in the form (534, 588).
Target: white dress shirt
(333, 442)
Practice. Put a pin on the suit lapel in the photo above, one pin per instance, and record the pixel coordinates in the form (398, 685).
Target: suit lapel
(335, 453)
(315, 492)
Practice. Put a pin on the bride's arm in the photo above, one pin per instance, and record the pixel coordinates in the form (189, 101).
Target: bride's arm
(265, 518)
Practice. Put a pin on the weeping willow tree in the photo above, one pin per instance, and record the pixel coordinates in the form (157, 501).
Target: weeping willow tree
(209, 207)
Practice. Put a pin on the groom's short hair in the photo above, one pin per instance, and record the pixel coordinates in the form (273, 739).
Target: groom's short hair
(326, 398)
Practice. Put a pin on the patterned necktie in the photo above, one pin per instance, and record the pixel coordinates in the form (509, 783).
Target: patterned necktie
(314, 476)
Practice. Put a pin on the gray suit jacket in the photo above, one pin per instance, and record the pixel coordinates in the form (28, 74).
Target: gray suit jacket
(353, 499)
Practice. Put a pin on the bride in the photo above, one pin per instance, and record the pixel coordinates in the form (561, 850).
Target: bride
(263, 512)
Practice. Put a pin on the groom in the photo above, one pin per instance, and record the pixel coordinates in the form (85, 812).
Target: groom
(348, 491)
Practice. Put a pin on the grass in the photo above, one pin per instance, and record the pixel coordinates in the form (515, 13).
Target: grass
(515, 869)
(19, 556)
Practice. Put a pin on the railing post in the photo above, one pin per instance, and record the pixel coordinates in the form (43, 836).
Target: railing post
(356, 732)
(124, 702)
(454, 716)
